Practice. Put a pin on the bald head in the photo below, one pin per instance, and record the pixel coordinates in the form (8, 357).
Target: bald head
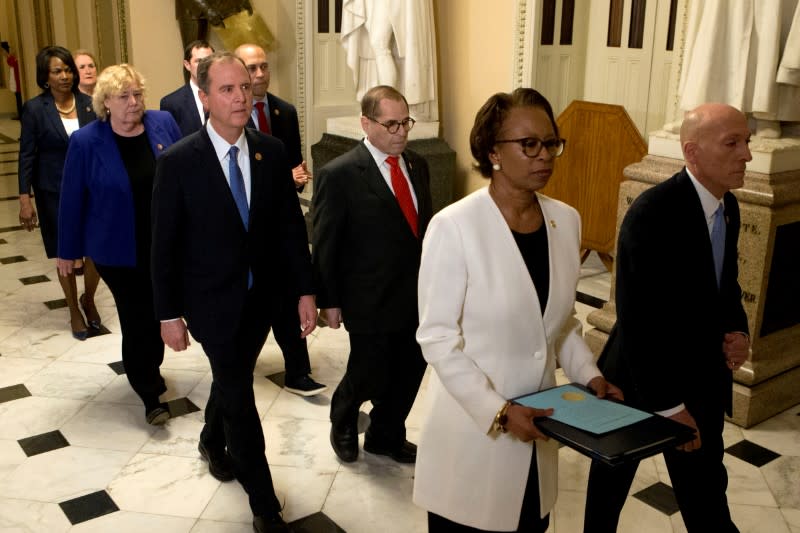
(255, 59)
(715, 139)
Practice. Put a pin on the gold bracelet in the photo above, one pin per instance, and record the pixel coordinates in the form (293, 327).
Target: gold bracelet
(501, 418)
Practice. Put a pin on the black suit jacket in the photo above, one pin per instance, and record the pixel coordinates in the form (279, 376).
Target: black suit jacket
(43, 141)
(666, 346)
(201, 251)
(366, 258)
(180, 103)
(285, 126)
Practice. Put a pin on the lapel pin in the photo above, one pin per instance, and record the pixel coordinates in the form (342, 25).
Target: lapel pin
(277, 111)
(552, 223)
(258, 156)
(88, 109)
(160, 146)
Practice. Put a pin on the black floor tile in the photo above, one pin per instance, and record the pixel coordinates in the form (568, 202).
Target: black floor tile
(34, 279)
(46, 442)
(13, 259)
(590, 300)
(316, 523)
(180, 407)
(118, 367)
(13, 392)
(279, 378)
(659, 496)
(61, 303)
(752, 453)
(89, 506)
(98, 332)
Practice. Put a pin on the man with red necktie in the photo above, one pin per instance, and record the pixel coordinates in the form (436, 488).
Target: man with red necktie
(278, 118)
(371, 208)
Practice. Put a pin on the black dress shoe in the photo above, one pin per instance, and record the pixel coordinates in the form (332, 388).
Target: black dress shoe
(405, 453)
(270, 524)
(157, 416)
(345, 443)
(219, 465)
(304, 386)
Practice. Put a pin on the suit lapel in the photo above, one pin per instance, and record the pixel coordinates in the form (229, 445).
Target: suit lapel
(696, 234)
(53, 117)
(191, 106)
(217, 183)
(258, 179)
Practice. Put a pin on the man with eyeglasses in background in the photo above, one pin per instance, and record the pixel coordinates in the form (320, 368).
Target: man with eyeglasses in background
(371, 208)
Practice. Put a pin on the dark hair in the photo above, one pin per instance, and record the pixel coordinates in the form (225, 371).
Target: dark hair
(4, 46)
(371, 102)
(199, 43)
(204, 67)
(43, 65)
(490, 119)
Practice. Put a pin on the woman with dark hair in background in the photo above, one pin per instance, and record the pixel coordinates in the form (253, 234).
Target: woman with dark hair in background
(48, 120)
(105, 214)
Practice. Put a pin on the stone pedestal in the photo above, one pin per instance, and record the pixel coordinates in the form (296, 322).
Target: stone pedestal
(769, 270)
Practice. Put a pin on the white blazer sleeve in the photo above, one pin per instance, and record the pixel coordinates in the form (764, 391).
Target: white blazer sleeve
(443, 279)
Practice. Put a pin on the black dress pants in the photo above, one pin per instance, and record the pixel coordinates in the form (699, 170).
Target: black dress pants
(231, 417)
(286, 328)
(387, 369)
(142, 347)
(698, 478)
(530, 520)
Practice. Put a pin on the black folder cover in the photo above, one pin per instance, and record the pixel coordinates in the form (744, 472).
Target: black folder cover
(631, 443)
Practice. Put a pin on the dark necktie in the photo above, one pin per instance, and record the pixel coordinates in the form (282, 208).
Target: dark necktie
(263, 124)
(239, 196)
(403, 193)
(718, 240)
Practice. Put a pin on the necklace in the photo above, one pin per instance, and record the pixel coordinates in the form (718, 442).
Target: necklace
(67, 111)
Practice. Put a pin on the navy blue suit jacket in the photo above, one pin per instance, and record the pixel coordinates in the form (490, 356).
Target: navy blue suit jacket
(181, 105)
(96, 217)
(43, 141)
(285, 126)
(666, 346)
(201, 251)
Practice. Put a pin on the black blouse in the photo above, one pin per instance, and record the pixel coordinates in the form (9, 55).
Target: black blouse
(533, 247)
(140, 163)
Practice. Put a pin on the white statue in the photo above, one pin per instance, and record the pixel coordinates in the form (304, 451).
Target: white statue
(732, 53)
(392, 42)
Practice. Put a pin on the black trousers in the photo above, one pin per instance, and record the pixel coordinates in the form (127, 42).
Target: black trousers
(530, 520)
(286, 328)
(231, 417)
(387, 369)
(699, 480)
(142, 347)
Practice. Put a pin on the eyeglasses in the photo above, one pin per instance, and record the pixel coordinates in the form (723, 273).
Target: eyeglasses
(531, 146)
(393, 126)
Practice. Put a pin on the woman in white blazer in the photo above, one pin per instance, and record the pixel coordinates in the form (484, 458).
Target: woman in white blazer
(496, 300)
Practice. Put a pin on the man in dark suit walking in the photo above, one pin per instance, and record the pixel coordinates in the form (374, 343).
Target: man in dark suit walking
(681, 329)
(278, 118)
(371, 208)
(184, 103)
(227, 227)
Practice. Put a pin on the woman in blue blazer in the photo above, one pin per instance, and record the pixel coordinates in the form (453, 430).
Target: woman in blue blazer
(48, 120)
(105, 215)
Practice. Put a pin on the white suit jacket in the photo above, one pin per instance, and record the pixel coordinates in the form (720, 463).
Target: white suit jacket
(482, 331)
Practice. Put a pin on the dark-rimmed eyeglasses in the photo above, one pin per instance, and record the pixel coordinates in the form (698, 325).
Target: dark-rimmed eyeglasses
(393, 126)
(531, 146)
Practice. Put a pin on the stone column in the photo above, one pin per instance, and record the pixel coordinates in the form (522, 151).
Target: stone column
(769, 269)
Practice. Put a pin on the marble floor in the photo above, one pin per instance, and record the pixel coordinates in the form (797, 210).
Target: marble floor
(76, 454)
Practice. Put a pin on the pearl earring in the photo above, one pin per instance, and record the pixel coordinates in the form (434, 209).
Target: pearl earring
(496, 166)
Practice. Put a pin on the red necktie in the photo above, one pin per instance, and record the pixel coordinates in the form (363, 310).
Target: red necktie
(403, 193)
(263, 125)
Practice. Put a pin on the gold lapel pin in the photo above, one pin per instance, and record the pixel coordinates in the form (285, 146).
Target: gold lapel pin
(160, 146)
(258, 156)
(552, 223)
(277, 111)
(88, 109)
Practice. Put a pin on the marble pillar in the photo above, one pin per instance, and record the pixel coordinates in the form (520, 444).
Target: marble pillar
(769, 269)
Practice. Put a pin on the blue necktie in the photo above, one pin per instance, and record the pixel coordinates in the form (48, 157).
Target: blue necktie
(718, 240)
(239, 196)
